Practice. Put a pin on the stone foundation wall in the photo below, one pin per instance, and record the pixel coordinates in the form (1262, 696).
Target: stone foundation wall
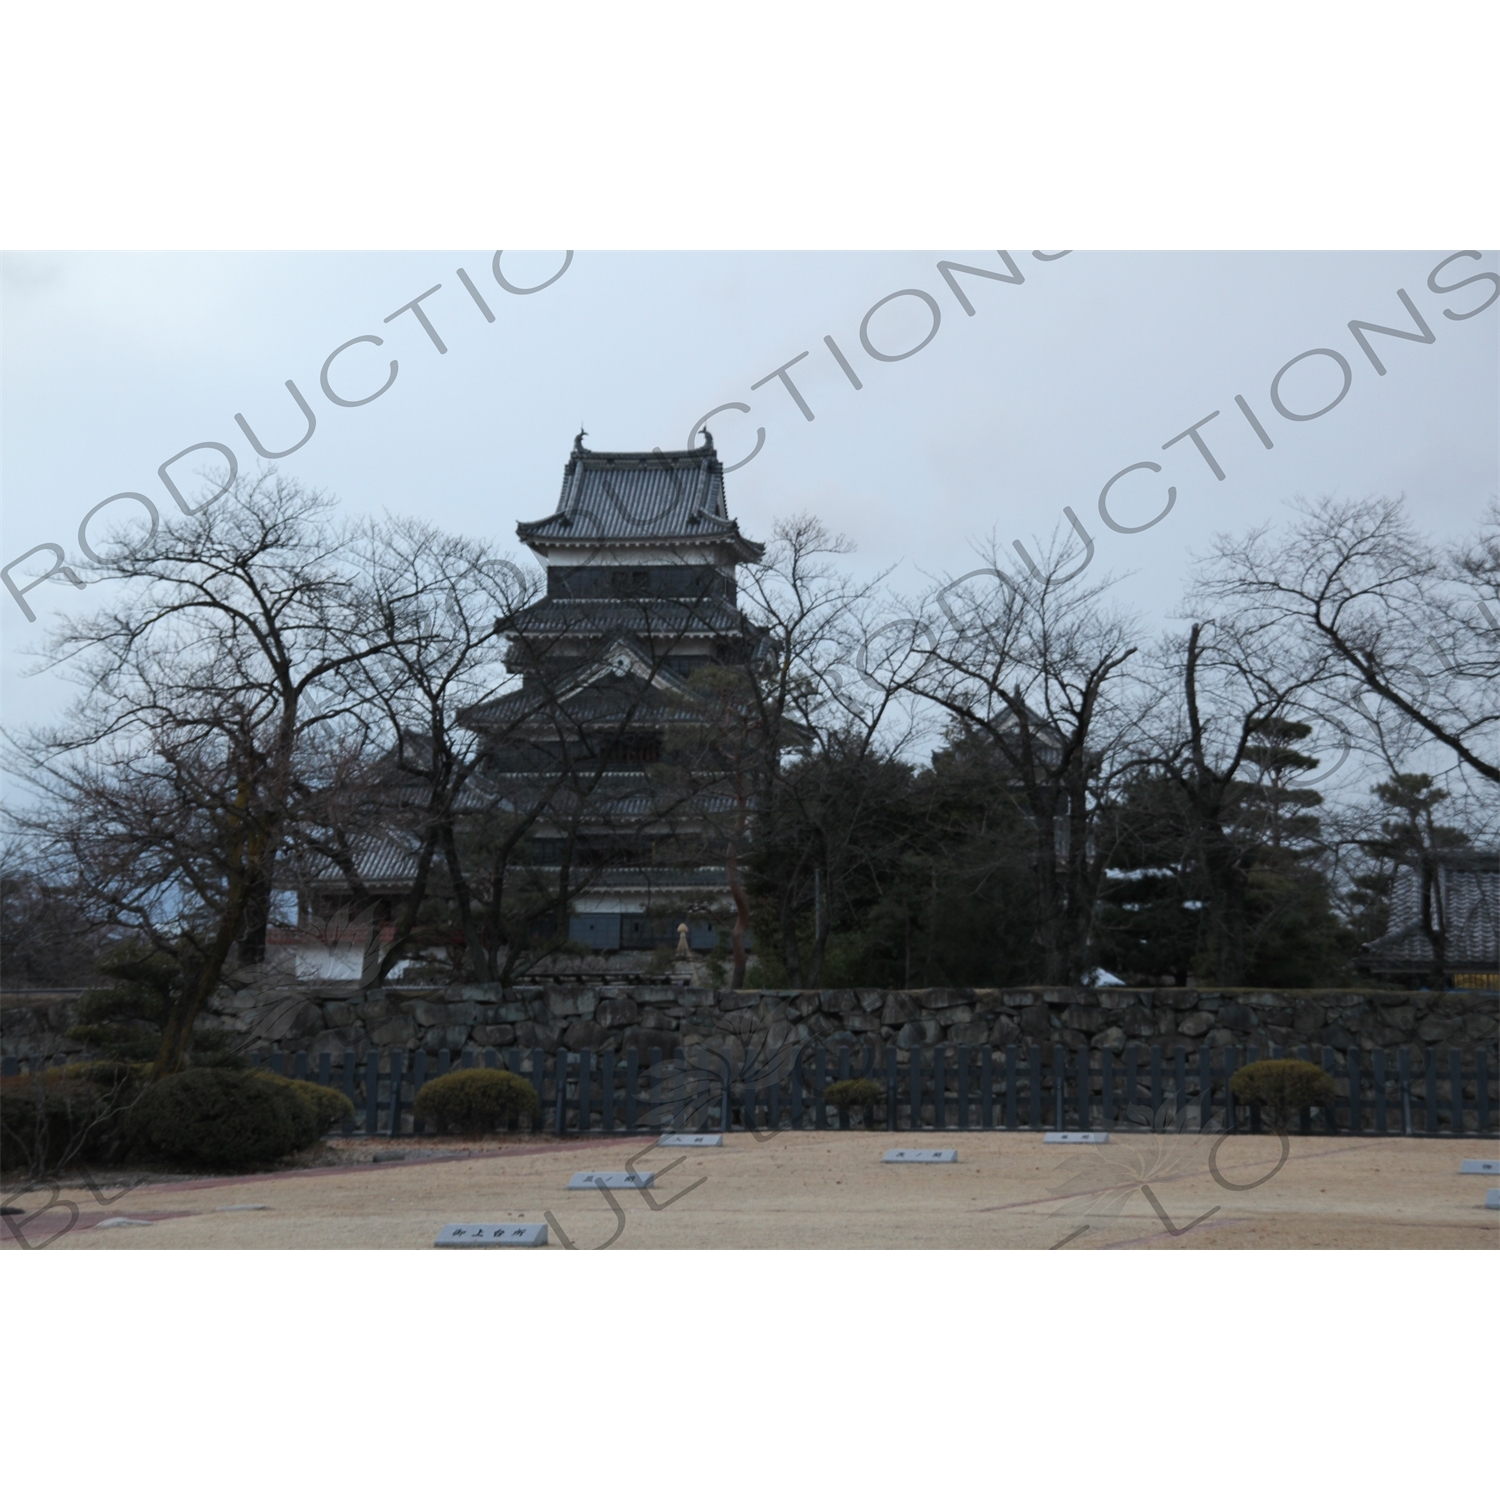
(337, 1020)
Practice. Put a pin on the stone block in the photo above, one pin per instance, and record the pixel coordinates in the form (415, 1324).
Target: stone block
(334, 1043)
(899, 1008)
(494, 1036)
(945, 999)
(1222, 1037)
(1083, 1017)
(531, 1034)
(1196, 1024)
(570, 1002)
(1435, 1029)
(1479, 1024)
(444, 1013)
(969, 1033)
(1036, 1023)
(454, 1038)
(1307, 1018)
(923, 1032)
(1237, 1016)
(375, 1005)
(837, 1002)
(644, 1038)
(1005, 1031)
(287, 1020)
(870, 1001)
(1111, 1039)
(1137, 1022)
(618, 1011)
(583, 1034)
(734, 1000)
(394, 1031)
(666, 994)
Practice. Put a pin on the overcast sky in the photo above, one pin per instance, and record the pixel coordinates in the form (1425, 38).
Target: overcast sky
(113, 363)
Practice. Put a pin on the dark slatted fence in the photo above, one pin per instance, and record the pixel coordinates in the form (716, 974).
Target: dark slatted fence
(1405, 1092)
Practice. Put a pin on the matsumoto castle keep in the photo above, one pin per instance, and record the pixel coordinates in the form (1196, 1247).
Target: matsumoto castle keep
(641, 558)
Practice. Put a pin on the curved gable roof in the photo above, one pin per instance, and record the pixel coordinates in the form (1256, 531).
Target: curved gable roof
(641, 497)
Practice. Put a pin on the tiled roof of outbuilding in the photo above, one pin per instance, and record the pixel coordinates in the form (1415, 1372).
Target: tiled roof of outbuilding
(1470, 898)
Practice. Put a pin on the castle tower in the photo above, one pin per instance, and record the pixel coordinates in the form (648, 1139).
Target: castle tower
(641, 558)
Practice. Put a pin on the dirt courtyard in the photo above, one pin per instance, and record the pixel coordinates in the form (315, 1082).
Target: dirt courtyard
(821, 1190)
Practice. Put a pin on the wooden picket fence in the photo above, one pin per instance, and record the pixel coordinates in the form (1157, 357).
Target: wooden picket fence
(954, 1088)
(962, 1088)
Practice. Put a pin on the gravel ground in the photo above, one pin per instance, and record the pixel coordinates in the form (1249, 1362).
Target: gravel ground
(816, 1190)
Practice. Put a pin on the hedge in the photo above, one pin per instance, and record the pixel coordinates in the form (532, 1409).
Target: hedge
(475, 1100)
(1283, 1086)
(855, 1093)
(331, 1107)
(222, 1117)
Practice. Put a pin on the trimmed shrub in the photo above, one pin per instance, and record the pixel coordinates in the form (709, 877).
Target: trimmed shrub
(66, 1115)
(475, 1100)
(221, 1117)
(330, 1107)
(855, 1093)
(1283, 1086)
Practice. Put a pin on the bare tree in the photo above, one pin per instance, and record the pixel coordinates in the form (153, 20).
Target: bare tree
(1403, 621)
(434, 602)
(1035, 668)
(211, 688)
(784, 727)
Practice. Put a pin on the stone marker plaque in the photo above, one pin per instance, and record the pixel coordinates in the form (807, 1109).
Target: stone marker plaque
(691, 1140)
(1489, 1168)
(612, 1180)
(908, 1153)
(1492, 1198)
(1076, 1138)
(490, 1236)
